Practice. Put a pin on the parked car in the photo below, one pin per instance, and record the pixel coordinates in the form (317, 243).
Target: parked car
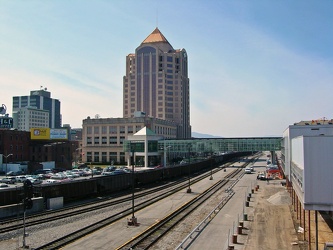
(261, 176)
(78, 171)
(118, 171)
(108, 170)
(8, 180)
(49, 181)
(248, 170)
(20, 178)
(3, 185)
(11, 173)
(35, 181)
(96, 171)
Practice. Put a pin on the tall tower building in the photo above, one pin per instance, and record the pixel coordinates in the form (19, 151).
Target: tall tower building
(157, 83)
(40, 99)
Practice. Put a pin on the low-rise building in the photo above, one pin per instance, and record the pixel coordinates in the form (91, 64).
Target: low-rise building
(103, 138)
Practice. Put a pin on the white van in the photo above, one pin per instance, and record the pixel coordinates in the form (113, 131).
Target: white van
(21, 178)
(248, 170)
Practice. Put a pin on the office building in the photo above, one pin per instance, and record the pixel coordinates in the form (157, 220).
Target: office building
(40, 99)
(157, 83)
(30, 117)
(103, 138)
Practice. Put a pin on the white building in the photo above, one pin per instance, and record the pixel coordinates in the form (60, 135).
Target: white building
(28, 117)
(312, 171)
(306, 157)
(306, 128)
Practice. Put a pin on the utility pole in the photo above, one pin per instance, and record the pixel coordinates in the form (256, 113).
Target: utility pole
(189, 168)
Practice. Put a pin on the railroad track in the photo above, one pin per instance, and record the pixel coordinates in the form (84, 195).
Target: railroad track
(150, 236)
(79, 209)
(50, 216)
(58, 243)
(123, 214)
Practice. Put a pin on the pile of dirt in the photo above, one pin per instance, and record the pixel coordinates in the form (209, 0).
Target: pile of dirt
(280, 198)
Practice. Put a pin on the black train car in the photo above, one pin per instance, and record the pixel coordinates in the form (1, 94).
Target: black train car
(103, 185)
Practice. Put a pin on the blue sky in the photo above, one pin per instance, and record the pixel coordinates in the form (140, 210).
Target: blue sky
(255, 67)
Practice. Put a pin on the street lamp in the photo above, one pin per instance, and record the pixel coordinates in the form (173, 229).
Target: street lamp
(189, 168)
(6, 156)
(133, 221)
(211, 164)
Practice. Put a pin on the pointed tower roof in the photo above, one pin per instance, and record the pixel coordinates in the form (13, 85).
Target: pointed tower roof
(156, 37)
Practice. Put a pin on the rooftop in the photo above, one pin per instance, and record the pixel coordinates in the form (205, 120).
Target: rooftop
(156, 37)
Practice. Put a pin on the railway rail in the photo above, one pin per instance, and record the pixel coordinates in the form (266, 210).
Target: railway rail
(52, 215)
(58, 243)
(167, 189)
(150, 236)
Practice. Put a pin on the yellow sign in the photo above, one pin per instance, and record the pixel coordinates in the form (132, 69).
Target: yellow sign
(40, 133)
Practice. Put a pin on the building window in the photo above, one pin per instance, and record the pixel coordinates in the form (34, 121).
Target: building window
(121, 140)
(113, 129)
(96, 130)
(113, 140)
(89, 130)
(113, 157)
(104, 157)
(96, 156)
(89, 157)
(96, 140)
(104, 140)
(104, 129)
(122, 129)
(89, 141)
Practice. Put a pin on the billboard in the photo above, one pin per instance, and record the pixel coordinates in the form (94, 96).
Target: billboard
(58, 134)
(48, 134)
(6, 122)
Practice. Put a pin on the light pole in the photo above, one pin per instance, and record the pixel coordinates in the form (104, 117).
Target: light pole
(211, 164)
(6, 156)
(133, 221)
(189, 168)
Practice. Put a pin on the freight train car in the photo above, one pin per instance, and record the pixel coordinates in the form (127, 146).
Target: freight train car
(103, 185)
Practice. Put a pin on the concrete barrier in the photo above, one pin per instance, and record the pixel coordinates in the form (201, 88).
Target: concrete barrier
(55, 203)
(15, 209)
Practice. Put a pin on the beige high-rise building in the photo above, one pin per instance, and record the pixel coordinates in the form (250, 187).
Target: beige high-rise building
(157, 83)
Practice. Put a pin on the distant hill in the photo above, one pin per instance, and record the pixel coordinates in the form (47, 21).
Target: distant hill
(199, 135)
